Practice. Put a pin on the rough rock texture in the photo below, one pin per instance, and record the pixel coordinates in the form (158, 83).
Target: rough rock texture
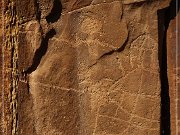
(173, 68)
(9, 74)
(86, 67)
(1, 33)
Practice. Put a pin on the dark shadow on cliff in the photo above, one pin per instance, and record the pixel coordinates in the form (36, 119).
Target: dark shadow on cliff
(113, 51)
(38, 11)
(41, 51)
(55, 12)
(164, 17)
(54, 16)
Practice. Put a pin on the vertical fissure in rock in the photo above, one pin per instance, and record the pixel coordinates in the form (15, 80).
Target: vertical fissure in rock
(165, 99)
(38, 11)
(164, 17)
(40, 52)
(55, 12)
(51, 18)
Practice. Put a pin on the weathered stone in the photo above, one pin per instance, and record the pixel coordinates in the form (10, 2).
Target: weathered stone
(63, 117)
(87, 67)
(173, 69)
(152, 110)
(108, 109)
(123, 114)
(29, 34)
(151, 80)
(128, 102)
(107, 125)
(26, 10)
(133, 1)
(1, 64)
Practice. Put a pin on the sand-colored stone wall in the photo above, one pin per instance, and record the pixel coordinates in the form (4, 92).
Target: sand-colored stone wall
(173, 40)
(84, 67)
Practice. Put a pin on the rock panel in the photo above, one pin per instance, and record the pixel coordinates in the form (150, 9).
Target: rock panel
(89, 67)
(173, 69)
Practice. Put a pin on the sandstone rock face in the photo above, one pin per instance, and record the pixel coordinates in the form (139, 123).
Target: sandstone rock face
(8, 63)
(173, 69)
(1, 123)
(88, 67)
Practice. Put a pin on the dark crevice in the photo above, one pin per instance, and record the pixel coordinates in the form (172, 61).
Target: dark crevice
(38, 11)
(164, 17)
(41, 51)
(113, 51)
(55, 12)
(137, 4)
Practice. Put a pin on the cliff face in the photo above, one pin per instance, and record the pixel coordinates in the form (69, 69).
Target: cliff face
(84, 67)
(173, 38)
